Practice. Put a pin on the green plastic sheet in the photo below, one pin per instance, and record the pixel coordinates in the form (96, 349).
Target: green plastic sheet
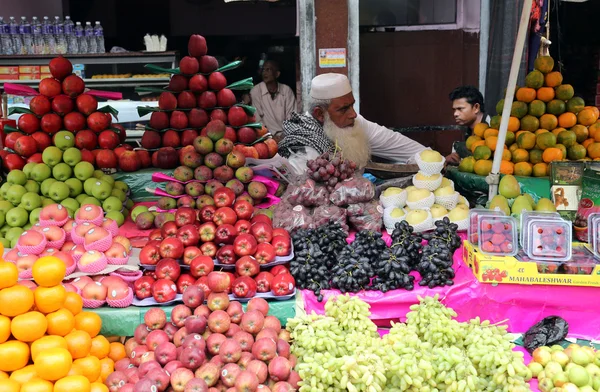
(140, 180)
(122, 322)
(475, 189)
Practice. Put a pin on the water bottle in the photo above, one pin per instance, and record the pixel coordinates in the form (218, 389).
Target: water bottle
(5, 39)
(99, 33)
(48, 34)
(72, 44)
(15, 36)
(38, 39)
(59, 33)
(90, 38)
(26, 37)
(81, 40)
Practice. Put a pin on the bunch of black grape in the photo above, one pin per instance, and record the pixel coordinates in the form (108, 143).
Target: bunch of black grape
(355, 266)
(393, 270)
(404, 238)
(330, 168)
(435, 265)
(315, 254)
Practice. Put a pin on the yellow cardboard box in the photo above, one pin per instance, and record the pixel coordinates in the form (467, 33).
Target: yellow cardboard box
(501, 270)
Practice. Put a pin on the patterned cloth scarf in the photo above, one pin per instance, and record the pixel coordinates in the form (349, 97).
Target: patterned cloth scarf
(303, 130)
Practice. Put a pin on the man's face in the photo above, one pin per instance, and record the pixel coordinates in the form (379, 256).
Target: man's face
(270, 72)
(464, 112)
(341, 111)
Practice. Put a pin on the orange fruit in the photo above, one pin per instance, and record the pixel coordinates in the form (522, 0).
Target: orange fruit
(587, 117)
(47, 342)
(100, 347)
(541, 130)
(506, 155)
(525, 94)
(23, 375)
(594, 129)
(4, 328)
(477, 144)
(523, 169)
(564, 92)
(48, 271)
(490, 132)
(545, 140)
(79, 343)
(544, 64)
(15, 300)
(513, 124)
(98, 387)
(3, 375)
(107, 366)
(553, 79)
(29, 326)
(14, 355)
(491, 141)
(593, 150)
(50, 299)
(470, 140)
(526, 140)
(37, 385)
(520, 155)
(72, 383)
(53, 364)
(548, 121)
(60, 322)
(89, 322)
(535, 156)
(73, 303)
(480, 128)
(587, 142)
(117, 351)
(90, 367)
(545, 94)
(9, 274)
(9, 386)
(540, 169)
(552, 154)
(581, 132)
(507, 167)
(567, 120)
(576, 152)
(594, 109)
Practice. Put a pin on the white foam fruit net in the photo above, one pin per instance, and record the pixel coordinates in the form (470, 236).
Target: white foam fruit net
(448, 202)
(430, 185)
(422, 204)
(398, 200)
(429, 168)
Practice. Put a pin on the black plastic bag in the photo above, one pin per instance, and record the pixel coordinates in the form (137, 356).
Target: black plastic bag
(547, 332)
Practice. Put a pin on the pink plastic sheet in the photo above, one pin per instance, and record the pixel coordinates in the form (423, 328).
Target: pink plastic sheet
(521, 305)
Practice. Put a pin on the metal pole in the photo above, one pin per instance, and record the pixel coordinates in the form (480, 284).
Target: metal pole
(493, 178)
(308, 51)
(354, 51)
(484, 40)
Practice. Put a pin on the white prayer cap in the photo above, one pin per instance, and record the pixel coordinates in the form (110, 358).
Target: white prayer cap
(330, 86)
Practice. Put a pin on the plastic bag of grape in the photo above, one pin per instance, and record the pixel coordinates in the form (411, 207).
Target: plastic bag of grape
(365, 216)
(307, 193)
(291, 217)
(326, 214)
(354, 190)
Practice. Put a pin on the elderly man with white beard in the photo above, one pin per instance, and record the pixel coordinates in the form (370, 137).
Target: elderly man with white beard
(332, 121)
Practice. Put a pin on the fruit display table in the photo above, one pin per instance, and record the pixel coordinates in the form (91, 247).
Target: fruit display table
(475, 185)
(123, 321)
(520, 306)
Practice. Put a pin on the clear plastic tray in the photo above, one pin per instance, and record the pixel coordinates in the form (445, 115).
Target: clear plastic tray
(472, 235)
(527, 216)
(548, 240)
(497, 235)
(582, 262)
(593, 240)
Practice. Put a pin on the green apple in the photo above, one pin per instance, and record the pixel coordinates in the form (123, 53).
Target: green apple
(40, 172)
(91, 200)
(112, 203)
(121, 185)
(17, 217)
(129, 204)
(72, 156)
(81, 197)
(101, 190)
(70, 203)
(5, 243)
(125, 212)
(16, 177)
(64, 140)
(75, 187)
(58, 191)
(5, 206)
(30, 201)
(62, 171)
(32, 186)
(34, 216)
(52, 156)
(28, 168)
(13, 232)
(83, 170)
(45, 187)
(138, 210)
(4, 229)
(98, 174)
(71, 212)
(119, 194)
(117, 216)
(13, 243)
(88, 185)
(15, 193)
(4, 189)
(2, 220)
(109, 180)
(47, 202)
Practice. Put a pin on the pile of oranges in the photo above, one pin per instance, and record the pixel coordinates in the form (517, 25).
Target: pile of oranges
(548, 123)
(47, 343)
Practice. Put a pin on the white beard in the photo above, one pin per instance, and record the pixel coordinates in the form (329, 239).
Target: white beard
(353, 141)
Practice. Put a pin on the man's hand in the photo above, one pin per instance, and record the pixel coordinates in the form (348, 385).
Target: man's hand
(453, 159)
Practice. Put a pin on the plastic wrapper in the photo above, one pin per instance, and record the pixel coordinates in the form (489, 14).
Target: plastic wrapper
(307, 194)
(352, 191)
(547, 332)
(325, 214)
(365, 216)
(296, 217)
